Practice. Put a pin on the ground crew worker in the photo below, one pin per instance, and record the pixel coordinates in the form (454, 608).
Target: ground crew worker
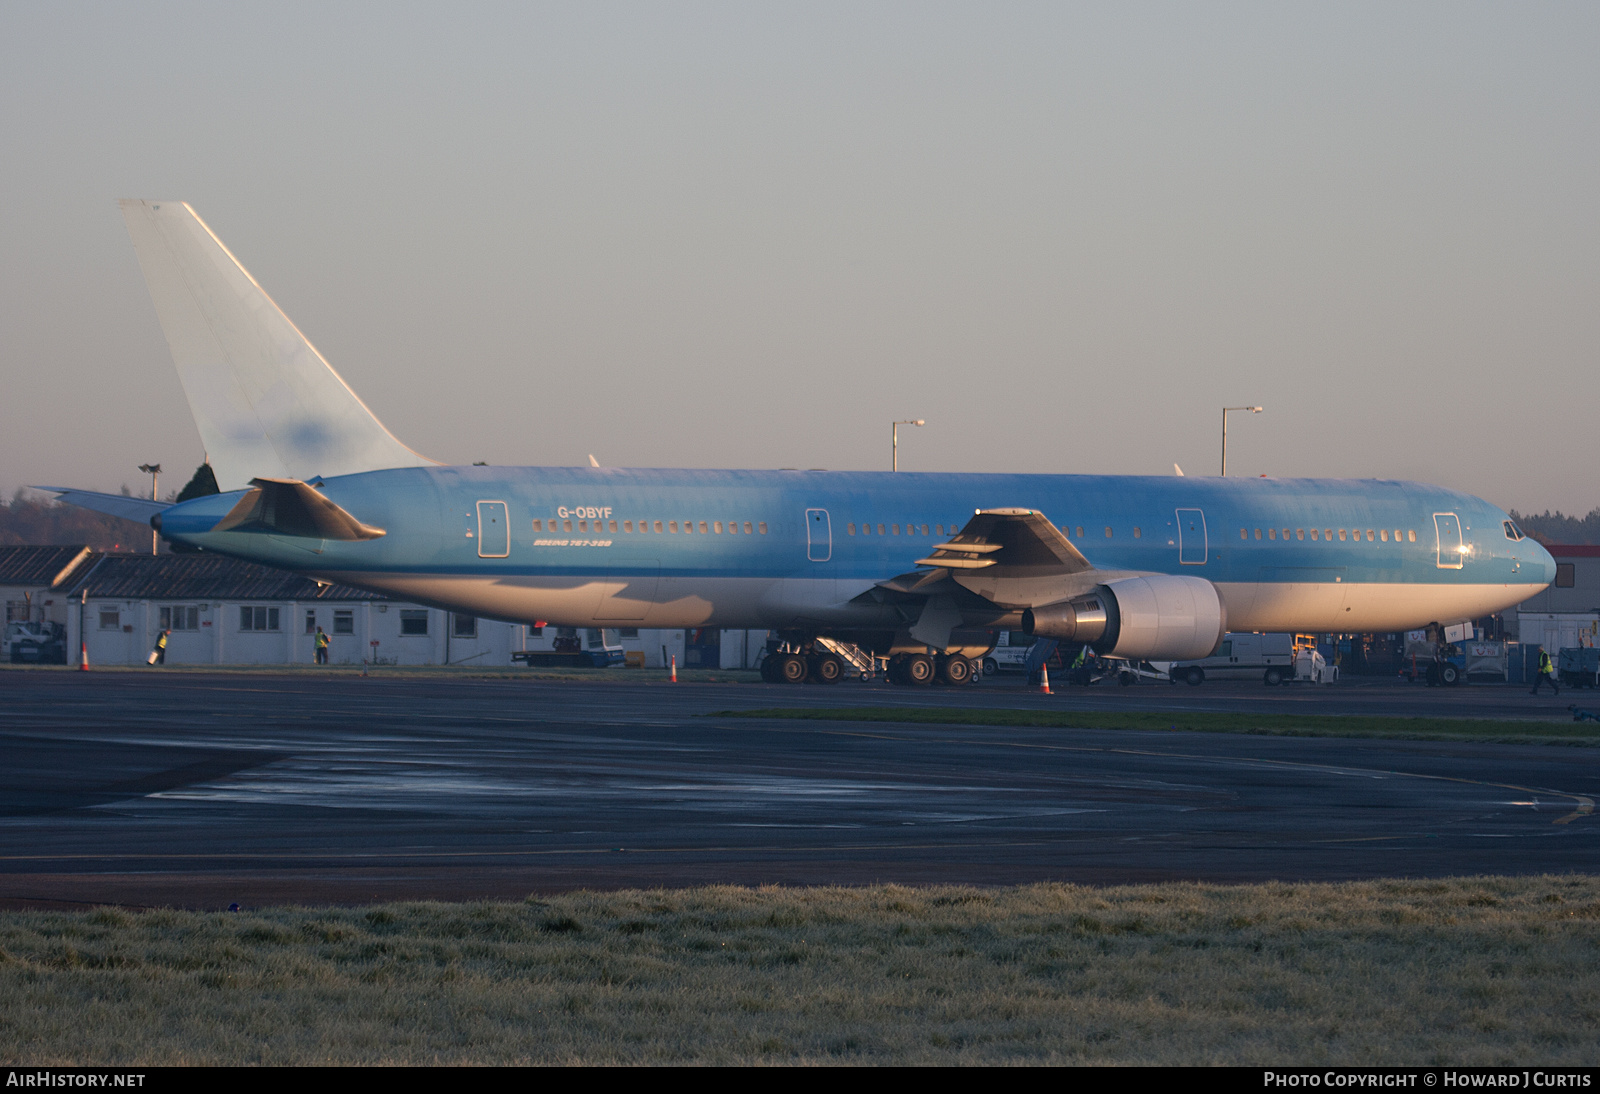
(158, 656)
(1547, 671)
(322, 646)
(1079, 673)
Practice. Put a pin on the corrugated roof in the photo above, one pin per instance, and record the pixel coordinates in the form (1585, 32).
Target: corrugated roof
(50, 566)
(204, 577)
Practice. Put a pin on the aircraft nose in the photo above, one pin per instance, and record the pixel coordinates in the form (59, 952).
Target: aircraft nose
(1542, 557)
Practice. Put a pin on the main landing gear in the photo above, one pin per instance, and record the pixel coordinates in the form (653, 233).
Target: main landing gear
(794, 667)
(922, 668)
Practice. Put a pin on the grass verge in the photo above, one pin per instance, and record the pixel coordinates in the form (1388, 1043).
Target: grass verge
(1464, 971)
(1284, 725)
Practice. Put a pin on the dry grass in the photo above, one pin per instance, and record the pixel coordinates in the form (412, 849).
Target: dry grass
(1470, 971)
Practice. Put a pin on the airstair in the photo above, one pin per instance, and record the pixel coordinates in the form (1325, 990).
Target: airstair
(854, 656)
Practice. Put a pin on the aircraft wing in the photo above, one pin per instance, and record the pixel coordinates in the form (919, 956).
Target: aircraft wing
(1011, 541)
(116, 505)
(1002, 561)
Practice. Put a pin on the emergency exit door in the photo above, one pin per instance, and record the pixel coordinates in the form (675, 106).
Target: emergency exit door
(1192, 543)
(1447, 526)
(494, 533)
(819, 536)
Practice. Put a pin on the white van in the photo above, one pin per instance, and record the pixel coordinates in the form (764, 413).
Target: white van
(1010, 651)
(1269, 658)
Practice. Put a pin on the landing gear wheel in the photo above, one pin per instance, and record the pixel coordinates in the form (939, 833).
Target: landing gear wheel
(1194, 677)
(1272, 678)
(827, 669)
(769, 669)
(1449, 675)
(990, 666)
(792, 668)
(919, 669)
(896, 672)
(1126, 678)
(956, 671)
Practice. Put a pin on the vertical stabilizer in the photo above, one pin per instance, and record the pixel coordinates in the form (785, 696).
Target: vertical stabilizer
(265, 401)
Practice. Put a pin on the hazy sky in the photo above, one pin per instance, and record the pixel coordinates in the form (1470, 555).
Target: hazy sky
(752, 235)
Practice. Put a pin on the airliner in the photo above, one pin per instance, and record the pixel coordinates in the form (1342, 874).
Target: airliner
(919, 568)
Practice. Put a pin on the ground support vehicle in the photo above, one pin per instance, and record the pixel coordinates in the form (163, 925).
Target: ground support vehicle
(1269, 658)
(569, 647)
(35, 642)
(1010, 653)
(1579, 667)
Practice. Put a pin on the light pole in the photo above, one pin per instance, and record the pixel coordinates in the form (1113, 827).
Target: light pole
(154, 471)
(1251, 409)
(894, 440)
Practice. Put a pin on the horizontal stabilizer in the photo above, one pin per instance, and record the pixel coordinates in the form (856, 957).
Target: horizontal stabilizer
(288, 507)
(115, 505)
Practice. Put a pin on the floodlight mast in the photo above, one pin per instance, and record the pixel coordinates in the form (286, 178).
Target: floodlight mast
(1251, 409)
(894, 440)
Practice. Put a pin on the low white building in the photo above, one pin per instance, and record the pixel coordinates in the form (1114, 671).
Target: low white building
(225, 612)
(221, 611)
(36, 582)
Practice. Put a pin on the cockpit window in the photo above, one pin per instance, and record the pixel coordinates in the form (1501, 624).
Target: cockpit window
(1512, 531)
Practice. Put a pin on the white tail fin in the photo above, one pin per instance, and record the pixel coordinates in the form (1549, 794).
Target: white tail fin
(265, 401)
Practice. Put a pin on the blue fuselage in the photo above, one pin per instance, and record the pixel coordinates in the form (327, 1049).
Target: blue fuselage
(766, 548)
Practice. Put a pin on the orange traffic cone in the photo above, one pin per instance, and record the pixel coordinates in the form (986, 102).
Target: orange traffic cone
(83, 663)
(1044, 679)
(674, 679)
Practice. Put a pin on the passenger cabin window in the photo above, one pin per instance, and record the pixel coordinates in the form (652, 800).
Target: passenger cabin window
(1108, 531)
(1136, 533)
(1244, 534)
(762, 527)
(658, 527)
(1258, 533)
(1299, 533)
(1313, 534)
(672, 525)
(538, 525)
(1411, 536)
(702, 528)
(1341, 535)
(850, 529)
(627, 526)
(1080, 531)
(1272, 533)
(881, 532)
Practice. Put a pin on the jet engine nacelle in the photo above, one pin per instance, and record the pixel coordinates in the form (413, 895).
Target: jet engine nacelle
(1164, 617)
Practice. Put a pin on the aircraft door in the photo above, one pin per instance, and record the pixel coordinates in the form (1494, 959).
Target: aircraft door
(494, 530)
(1192, 543)
(1447, 526)
(819, 536)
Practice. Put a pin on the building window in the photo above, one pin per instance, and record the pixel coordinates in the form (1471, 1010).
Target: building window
(535, 631)
(110, 621)
(258, 619)
(466, 626)
(16, 610)
(344, 621)
(180, 618)
(311, 621)
(1566, 575)
(413, 621)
